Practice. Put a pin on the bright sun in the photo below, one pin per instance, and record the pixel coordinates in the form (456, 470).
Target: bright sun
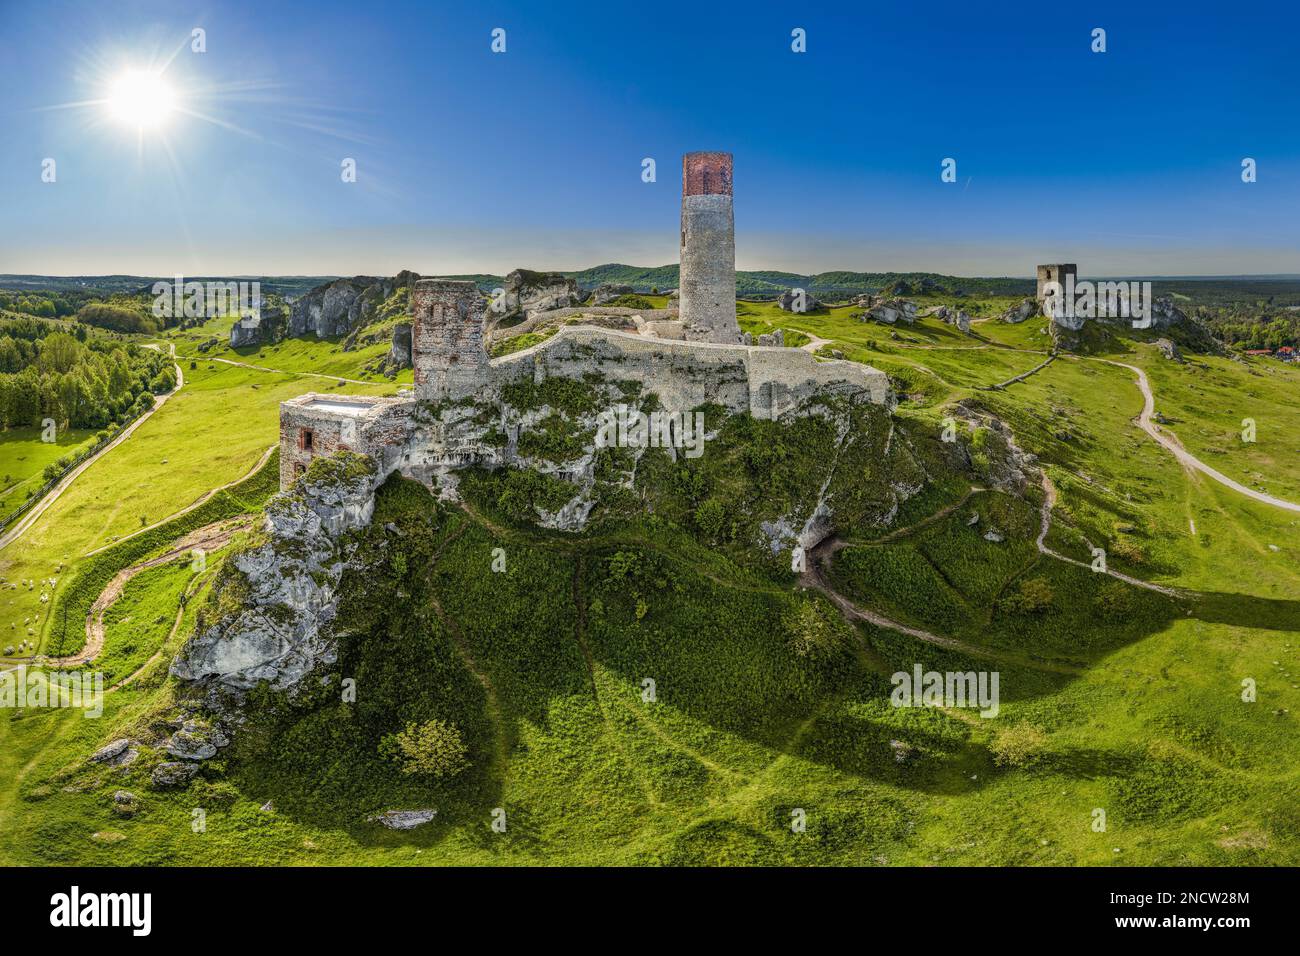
(141, 99)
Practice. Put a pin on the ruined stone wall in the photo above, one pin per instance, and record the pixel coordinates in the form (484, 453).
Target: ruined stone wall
(448, 353)
(763, 382)
(707, 283)
(327, 438)
(382, 432)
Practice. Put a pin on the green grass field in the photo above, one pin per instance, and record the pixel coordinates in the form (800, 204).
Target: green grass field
(23, 457)
(210, 433)
(308, 356)
(1114, 698)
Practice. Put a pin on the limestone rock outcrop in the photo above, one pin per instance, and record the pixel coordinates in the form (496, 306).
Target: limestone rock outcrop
(529, 292)
(1006, 466)
(608, 292)
(1165, 314)
(790, 301)
(403, 819)
(893, 311)
(246, 331)
(173, 774)
(1027, 309)
(399, 352)
(1169, 350)
(958, 318)
(270, 611)
(337, 308)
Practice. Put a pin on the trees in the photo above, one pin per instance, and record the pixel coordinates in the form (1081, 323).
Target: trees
(118, 318)
(60, 352)
(78, 381)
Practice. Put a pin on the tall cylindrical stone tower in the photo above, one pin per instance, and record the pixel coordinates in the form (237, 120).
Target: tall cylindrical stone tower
(707, 285)
(447, 349)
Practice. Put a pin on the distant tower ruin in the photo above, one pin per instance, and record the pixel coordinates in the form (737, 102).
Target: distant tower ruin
(707, 284)
(447, 340)
(1055, 272)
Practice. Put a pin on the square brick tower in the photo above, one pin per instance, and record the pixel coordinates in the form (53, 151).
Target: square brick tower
(707, 284)
(447, 349)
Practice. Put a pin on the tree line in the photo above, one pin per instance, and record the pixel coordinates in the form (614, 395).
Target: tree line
(74, 379)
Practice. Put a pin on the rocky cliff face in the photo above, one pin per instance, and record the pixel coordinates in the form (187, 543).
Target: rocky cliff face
(269, 325)
(608, 292)
(247, 331)
(339, 307)
(269, 614)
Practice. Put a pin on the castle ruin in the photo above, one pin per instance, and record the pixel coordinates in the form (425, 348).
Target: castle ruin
(456, 418)
(447, 349)
(1054, 272)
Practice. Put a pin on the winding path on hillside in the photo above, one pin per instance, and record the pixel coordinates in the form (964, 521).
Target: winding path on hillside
(814, 577)
(284, 371)
(1049, 502)
(210, 538)
(1167, 440)
(1170, 442)
(27, 520)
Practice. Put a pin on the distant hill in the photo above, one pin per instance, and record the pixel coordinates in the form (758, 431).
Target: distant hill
(288, 286)
(763, 284)
(771, 283)
(768, 284)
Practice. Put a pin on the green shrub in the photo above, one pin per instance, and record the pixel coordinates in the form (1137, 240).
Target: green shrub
(430, 749)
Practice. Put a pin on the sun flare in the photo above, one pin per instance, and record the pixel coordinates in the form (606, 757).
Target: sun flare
(141, 99)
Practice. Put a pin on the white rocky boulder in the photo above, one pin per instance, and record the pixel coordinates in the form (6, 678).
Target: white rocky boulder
(532, 292)
(246, 331)
(1027, 309)
(274, 602)
(403, 819)
(893, 311)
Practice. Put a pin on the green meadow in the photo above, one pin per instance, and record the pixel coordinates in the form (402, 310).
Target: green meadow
(210, 433)
(647, 693)
(23, 458)
(307, 356)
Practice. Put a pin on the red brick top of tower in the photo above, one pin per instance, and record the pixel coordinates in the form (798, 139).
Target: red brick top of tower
(706, 174)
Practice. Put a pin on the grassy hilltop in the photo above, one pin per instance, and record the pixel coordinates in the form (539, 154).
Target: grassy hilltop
(767, 701)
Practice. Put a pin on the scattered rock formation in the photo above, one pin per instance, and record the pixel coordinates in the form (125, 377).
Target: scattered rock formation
(1003, 464)
(957, 318)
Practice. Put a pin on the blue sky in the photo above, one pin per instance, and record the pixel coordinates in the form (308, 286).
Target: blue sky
(1127, 162)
